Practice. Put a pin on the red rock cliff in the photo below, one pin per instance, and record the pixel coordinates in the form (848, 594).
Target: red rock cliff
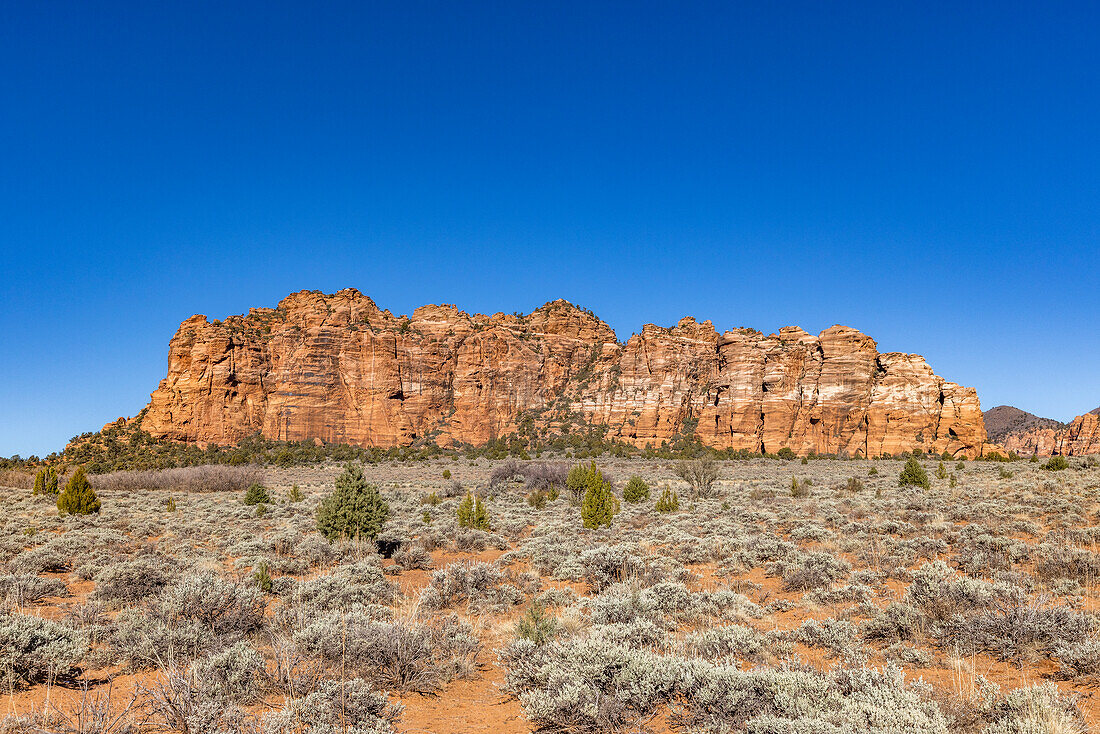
(1080, 437)
(338, 368)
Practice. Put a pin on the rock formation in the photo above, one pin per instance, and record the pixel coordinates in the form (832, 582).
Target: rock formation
(1080, 437)
(340, 369)
(1006, 420)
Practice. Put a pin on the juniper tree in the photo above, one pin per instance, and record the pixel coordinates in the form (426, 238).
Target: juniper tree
(636, 490)
(472, 513)
(599, 504)
(354, 510)
(914, 475)
(78, 498)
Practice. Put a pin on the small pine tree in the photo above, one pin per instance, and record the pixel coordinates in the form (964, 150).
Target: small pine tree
(537, 626)
(472, 513)
(599, 504)
(170, 506)
(799, 489)
(426, 517)
(446, 473)
(577, 481)
(668, 501)
(51, 481)
(295, 494)
(256, 494)
(636, 490)
(78, 498)
(952, 481)
(262, 577)
(913, 475)
(354, 510)
(39, 482)
(941, 471)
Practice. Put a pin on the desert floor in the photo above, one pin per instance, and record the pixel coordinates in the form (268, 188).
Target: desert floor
(849, 602)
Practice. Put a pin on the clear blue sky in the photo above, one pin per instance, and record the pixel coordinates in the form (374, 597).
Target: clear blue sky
(926, 172)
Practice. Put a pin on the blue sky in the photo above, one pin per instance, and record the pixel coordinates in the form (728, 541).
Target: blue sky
(926, 172)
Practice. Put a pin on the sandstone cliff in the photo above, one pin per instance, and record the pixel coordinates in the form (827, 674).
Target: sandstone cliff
(1080, 437)
(340, 369)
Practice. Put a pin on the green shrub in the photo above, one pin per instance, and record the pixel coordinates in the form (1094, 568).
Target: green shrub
(913, 475)
(472, 513)
(256, 494)
(170, 506)
(668, 501)
(941, 471)
(786, 453)
(39, 482)
(799, 489)
(262, 577)
(295, 494)
(1056, 463)
(446, 473)
(78, 498)
(354, 510)
(51, 481)
(636, 490)
(599, 504)
(873, 472)
(537, 625)
(576, 482)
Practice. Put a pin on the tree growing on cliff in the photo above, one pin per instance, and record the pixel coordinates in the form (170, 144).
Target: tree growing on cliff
(354, 510)
(914, 475)
(78, 498)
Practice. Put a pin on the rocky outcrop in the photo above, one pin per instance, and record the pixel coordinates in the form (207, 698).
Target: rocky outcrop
(340, 369)
(1006, 420)
(1079, 438)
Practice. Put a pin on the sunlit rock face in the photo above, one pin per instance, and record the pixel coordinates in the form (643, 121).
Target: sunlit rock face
(340, 369)
(1080, 437)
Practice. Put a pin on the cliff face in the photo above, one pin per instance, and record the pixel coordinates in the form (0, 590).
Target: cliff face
(340, 369)
(1080, 437)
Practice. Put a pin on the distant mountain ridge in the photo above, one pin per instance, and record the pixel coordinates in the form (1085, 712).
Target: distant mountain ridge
(1007, 419)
